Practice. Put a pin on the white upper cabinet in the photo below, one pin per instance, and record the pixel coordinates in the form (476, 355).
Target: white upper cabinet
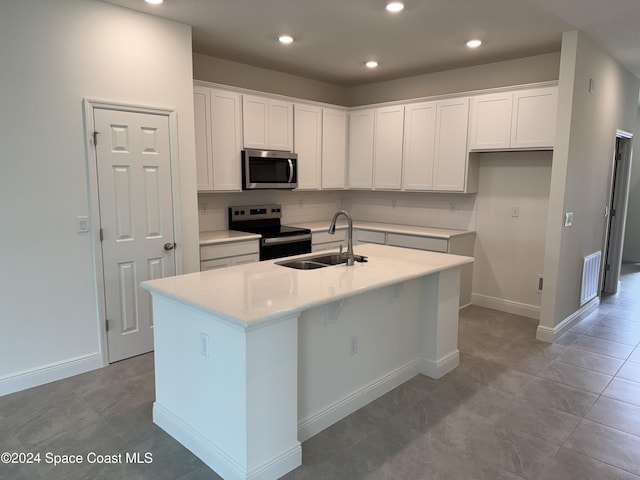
(387, 151)
(361, 132)
(334, 148)
(419, 145)
(307, 142)
(522, 119)
(218, 132)
(451, 155)
(534, 118)
(490, 121)
(267, 123)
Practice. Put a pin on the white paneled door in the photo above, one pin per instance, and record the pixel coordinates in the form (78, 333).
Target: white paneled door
(136, 217)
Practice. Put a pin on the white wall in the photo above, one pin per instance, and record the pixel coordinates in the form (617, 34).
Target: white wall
(632, 232)
(509, 250)
(582, 166)
(54, 54)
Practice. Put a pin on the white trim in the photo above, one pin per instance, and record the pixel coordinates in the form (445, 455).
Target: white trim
(223, 464)
(443, 366)
(94, 204)
(550, 335)
(335, 412)
(49, 373)
(517, 308)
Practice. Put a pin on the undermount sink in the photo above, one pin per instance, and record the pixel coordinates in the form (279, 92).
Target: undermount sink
(319, 261)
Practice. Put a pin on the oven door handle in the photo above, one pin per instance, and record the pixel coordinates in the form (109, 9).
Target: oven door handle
(291, 239)
(290, 170)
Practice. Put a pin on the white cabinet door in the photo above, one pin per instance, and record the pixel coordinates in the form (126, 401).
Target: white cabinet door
(307, 136)
(226, 140)
(451, 155)
(361, 128)
(280, 125)
(267, 124)
(255, 122)
(218, 132)
(387, 151)
(334, 148)
(534, 118)
(490, 121)
(419, 146)
(202, 118)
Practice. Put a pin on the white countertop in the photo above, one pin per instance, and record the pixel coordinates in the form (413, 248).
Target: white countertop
(225, 236)
(433, 232)
(250, 294)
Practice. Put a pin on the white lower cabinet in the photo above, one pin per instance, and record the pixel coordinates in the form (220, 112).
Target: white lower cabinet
(228, 254)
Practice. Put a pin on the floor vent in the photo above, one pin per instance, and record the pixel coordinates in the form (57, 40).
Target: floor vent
(590, 277)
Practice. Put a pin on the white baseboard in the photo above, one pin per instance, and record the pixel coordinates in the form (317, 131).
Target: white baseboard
(49, 373)
(335, 412)
(440, 368)
(517, 308)
(551, 334)
(219, 460)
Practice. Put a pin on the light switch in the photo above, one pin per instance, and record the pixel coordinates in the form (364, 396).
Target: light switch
(568, 219)
(82, 224)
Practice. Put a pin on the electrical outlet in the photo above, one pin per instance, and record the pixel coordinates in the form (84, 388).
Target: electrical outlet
(515, 212)
(452, 207)
(82, 224)
(204, 344)
(353, 345)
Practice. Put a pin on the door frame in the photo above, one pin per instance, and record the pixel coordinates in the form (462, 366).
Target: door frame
(615, 227)
(89, 105)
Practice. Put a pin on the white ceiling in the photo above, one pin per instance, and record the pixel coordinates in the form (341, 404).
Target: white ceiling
(335, 37)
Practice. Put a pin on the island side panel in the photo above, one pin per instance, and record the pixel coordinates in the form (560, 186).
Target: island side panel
(335, 381)
(208, 400)
(439, 324)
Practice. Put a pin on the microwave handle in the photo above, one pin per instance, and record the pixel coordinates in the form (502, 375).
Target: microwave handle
(290, 170)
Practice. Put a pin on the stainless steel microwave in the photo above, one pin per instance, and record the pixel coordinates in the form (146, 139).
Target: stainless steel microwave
(269, 169)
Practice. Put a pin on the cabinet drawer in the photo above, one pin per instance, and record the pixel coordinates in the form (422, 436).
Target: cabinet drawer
(367, 236)
(419, 243)
(326, 237)
(224, 250)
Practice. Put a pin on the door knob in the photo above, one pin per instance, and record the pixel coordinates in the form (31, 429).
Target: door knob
(169, 246)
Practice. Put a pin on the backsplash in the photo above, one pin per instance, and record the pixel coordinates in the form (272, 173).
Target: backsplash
(422, 209)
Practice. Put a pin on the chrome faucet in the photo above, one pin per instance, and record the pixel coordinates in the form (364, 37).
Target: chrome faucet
(332, 230)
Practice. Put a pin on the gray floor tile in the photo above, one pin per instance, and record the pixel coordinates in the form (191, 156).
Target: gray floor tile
(578, 377)
(590, 360)
(616, 414)
(630, 371)
(568, 338)
(604, 347)
(620, 324)
(606, 444)
(117, 397)
(559, 396)
(623, 390)
(614, 335)
(567, 464)
(635, 356)
(487, 373)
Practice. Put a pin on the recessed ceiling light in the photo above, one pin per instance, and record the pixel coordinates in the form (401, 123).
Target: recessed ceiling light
(474, 43)
(154, 2)
(286, 39)
(395, 7)
(371, 64)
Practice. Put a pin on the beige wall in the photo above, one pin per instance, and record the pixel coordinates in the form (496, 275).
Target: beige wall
(509, 250)
(582, 166)
(515, 72)
(225, 72)
(632, 232)
(54, 54)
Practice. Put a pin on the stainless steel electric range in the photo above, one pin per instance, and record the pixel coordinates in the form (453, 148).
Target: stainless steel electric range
(277, 240)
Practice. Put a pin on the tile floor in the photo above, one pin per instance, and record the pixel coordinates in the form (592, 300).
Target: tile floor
(516, 408)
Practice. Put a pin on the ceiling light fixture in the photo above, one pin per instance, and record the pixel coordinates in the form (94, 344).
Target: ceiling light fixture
(395, 7)
(154, 2)
(474, 43)
(371, 64)
(286, 39)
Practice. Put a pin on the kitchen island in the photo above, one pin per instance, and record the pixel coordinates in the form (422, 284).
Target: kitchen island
(254, 359)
